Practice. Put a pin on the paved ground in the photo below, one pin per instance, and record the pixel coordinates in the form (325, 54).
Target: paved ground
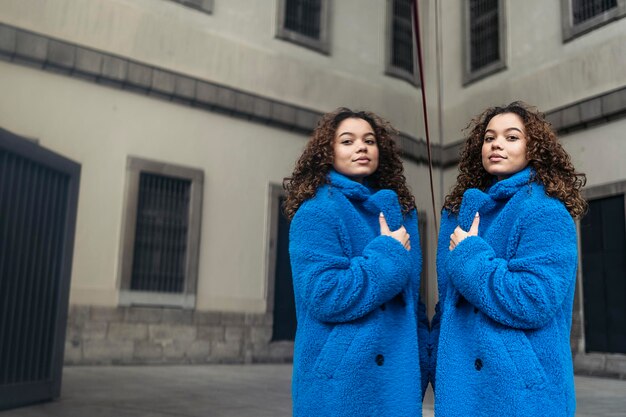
(229, 391)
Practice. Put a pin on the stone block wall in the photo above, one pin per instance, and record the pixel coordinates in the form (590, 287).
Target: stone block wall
(150, 335)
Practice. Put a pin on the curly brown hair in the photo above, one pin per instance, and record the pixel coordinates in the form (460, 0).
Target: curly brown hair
(312, 168)
(551, 163)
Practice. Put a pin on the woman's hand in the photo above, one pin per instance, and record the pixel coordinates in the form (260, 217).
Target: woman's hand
(459, 234)
(400, 235)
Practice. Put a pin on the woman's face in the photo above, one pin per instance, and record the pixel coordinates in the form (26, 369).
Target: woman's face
(504, 146)
(355, 150)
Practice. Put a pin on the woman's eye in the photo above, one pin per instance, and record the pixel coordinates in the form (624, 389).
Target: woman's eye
(488, 138)
(346, 142)
(512, 138)
(370, 142)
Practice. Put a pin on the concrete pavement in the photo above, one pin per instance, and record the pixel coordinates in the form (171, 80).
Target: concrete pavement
(228, 391)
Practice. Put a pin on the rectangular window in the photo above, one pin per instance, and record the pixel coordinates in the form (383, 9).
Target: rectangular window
(400, 55)
(304, 22)
(582, 16)
(583, 10)
(484, 48)
(161, 234)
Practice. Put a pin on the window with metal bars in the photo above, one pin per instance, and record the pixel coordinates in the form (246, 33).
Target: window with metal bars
(586, 9)
(304, 22)
(484, 38)
(161, 234)
(582, 16)
(400, 55)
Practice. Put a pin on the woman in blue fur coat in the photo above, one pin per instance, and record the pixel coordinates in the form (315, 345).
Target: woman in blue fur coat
(506, 264)
(356, 263)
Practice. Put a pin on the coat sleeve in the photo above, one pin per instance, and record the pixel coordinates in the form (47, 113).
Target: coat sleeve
(526, 290)
(332, 286)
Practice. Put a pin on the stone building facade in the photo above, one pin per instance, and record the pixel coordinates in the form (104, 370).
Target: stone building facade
(222, 95)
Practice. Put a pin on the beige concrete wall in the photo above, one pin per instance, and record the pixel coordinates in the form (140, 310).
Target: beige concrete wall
(541, 69)
(99, 127)
(236, 46)
(599, 152)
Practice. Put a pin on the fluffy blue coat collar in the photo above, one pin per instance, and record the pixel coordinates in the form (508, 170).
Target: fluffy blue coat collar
(374, 201)
(475, 200)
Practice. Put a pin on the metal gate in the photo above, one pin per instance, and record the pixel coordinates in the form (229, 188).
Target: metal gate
(38, 199)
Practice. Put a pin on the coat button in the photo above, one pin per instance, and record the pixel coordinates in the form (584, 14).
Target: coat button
(460, 301)
(475, 310)
(400, 299)
(383, 307)
(380, 359)
(478, 364)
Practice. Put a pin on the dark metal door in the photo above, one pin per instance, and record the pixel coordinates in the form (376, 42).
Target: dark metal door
(38, 199)
(284, 327)
(604, 275)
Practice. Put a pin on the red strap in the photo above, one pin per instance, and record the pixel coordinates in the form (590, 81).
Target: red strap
(415, 7)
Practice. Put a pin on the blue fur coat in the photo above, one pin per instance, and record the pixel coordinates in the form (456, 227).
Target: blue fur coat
(356, 348)
(505, 306)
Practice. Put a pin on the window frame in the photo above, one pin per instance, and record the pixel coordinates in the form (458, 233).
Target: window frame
(321, 45)
(187, 299)
(572, 31)
(470, 76)
(391, 69)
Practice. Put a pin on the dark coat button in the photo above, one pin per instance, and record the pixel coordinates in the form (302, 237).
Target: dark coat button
(460, 301)
(380, 359)
(400, 299)
(478, 364)
(383, 307)
(475, 310)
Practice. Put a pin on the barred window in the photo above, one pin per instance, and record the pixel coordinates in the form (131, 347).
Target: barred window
(582, 16)
(400, 61)
(484, 38)
(303, 16)
(304, 22)
(161, 234)
(402, 36)
(586, 9)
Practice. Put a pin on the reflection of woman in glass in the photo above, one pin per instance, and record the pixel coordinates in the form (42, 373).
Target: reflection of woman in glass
(506, 265)
(356, 264)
